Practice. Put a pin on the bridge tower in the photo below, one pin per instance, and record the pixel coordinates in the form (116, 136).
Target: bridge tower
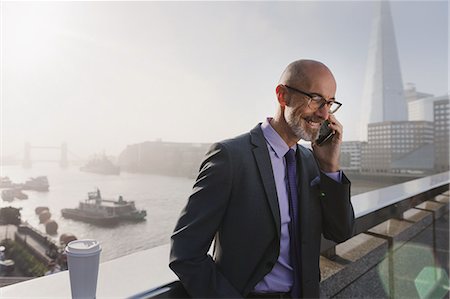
(64, 161)
(26, 163)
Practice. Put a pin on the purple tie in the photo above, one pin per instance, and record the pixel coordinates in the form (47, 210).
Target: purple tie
(291, 167)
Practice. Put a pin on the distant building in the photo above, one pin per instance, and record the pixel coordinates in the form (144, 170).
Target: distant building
(399, 147)
(411, 94)
(351, 155)
(441, 113)
(165, 158)
(423, 109)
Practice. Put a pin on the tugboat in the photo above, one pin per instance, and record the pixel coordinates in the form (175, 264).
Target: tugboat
(39, 183)
(101, 211)
(101, 165)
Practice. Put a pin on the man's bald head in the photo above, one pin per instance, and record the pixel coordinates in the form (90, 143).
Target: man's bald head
(295, 118)
(304, 73)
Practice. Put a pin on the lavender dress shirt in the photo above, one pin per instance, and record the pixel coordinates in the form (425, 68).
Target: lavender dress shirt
(281, 277)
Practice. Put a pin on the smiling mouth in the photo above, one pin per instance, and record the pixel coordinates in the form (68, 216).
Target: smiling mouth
(313, 124)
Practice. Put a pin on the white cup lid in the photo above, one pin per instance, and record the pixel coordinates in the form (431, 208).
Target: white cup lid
(83, 247)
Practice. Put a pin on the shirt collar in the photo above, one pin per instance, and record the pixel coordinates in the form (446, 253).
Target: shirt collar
(274, 139)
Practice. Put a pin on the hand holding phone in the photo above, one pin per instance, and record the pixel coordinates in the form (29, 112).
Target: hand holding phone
(325, 133)
(327, 153)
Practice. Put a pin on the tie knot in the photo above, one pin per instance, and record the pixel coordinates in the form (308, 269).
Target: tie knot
(290, 156)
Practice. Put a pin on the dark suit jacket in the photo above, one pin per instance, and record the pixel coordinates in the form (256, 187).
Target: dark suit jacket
(234, 202)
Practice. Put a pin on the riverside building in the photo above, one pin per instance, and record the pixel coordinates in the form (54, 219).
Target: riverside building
(441, 111)
(399, 147)
(351, 155)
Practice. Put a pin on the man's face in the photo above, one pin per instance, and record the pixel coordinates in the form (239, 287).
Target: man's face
(303, 121)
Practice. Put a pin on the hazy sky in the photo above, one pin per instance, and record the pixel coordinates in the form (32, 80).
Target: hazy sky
(101, 75)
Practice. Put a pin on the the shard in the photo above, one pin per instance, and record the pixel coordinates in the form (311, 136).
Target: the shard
(383, 97)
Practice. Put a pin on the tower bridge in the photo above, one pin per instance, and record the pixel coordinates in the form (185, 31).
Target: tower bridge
(63, 154)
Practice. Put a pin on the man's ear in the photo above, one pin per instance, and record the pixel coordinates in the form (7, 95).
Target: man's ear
(282, 96)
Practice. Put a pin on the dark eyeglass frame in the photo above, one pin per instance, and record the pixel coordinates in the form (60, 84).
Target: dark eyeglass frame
(318, 99)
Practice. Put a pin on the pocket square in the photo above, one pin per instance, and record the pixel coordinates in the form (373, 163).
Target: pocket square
(315, 181)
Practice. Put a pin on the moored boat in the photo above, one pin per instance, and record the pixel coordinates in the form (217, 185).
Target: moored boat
(94, 218)
(8, 194)
(39, 183)
(101, 211)
(38, 210)
(19, 194)
(5, 182)
(101, 165)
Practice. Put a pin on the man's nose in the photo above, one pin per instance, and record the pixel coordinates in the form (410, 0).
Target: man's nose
(322, 112)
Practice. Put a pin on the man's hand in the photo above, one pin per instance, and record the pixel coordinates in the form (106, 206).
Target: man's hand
(328, 153)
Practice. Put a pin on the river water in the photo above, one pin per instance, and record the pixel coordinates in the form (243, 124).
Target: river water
(162, 196)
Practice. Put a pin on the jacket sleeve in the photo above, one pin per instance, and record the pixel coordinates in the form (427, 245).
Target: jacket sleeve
(197, 226)
(338, 217)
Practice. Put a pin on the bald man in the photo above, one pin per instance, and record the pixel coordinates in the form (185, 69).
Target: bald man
(265, 200)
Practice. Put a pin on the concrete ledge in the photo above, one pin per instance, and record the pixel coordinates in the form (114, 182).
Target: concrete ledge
(120, 278)
(445, 199)
(437, 208)
(5, 280)
(354, 257)
(400, 231)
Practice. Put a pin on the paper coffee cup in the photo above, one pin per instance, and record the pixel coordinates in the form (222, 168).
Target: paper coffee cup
(83, 257)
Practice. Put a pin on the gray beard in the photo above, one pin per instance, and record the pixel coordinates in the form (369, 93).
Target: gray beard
(297, 126)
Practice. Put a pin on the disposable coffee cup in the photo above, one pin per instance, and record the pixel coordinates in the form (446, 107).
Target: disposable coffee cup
(83, 257)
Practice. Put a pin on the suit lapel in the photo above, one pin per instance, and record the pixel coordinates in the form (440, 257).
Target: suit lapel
(262, 158)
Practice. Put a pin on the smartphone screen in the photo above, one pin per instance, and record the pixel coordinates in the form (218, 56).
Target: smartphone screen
(324, 134)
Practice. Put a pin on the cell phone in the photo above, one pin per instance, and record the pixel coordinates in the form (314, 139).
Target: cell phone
(325, 133)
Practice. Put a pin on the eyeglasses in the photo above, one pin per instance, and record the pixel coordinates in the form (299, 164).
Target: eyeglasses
(316, 101)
